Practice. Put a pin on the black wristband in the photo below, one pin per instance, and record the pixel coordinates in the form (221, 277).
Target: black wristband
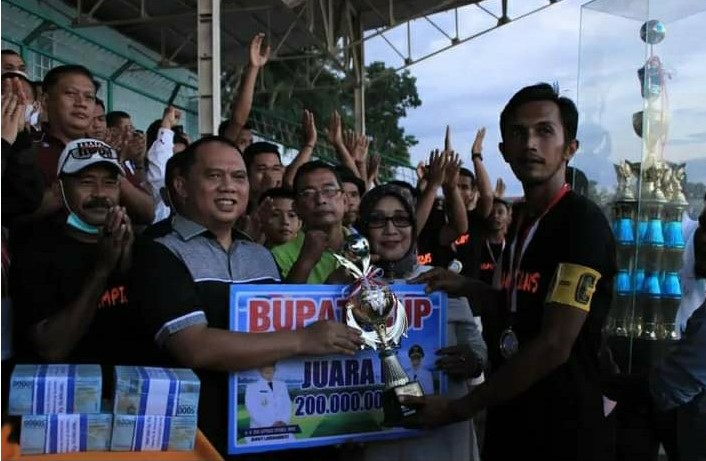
(476, 155)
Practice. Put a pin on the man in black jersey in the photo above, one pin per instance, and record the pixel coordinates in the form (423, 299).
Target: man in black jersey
(494, 239)
(557, 271)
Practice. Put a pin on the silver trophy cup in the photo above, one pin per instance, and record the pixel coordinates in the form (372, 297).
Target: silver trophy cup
(369, 305)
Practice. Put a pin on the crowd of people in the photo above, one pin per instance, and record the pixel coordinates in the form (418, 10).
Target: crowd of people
(120, 247)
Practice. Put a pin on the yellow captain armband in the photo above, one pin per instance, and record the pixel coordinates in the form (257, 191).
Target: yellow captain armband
(573, 285)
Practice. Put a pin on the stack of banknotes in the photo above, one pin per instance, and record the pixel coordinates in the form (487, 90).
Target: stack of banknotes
(154, 409)
(60, 408)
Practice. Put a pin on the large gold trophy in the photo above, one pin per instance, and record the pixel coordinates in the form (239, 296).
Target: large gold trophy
(370, 303)
(648, 230)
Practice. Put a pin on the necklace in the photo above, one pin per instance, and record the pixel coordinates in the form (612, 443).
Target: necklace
(492, 253)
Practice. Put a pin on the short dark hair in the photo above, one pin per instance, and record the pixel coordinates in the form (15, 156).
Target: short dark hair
(7, 51)
(189, 154)
(502, 201)
(543, 92)
(55, 74)
(348, 176)
(257, 148)
(100, 102)
(113, 117)
(277, 192)
(172, 169)
(312, 166)
(466, 172)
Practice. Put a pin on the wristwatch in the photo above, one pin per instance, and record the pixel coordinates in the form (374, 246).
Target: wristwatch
(476, 155)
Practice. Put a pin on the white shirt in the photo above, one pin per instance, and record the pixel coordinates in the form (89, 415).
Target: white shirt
(266, 405)
(159, 152)
(693, 290)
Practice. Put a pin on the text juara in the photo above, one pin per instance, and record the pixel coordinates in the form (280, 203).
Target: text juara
(338, 373)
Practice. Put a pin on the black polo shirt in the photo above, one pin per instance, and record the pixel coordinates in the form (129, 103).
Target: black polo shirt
(183, 278)
(561, 416)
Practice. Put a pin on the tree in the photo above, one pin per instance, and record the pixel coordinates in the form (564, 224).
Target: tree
(388, 97)
(284, 94)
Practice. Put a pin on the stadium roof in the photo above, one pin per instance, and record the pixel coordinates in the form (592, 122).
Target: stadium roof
(294, 27)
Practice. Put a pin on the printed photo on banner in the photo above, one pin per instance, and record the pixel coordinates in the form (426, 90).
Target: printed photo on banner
(310, 401)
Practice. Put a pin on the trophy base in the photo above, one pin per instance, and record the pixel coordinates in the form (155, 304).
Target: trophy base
(649, 331)
(393, 410)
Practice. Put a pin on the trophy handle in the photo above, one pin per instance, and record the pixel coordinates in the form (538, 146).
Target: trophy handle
(399, 328)
(352, 268)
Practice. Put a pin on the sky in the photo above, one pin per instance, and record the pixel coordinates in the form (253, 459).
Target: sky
(468, 85)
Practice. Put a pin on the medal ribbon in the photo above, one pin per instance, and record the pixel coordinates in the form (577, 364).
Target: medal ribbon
(522, 241)
(370, 278)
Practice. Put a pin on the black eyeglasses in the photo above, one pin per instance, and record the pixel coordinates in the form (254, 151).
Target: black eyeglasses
(326, 191)
(379, 221)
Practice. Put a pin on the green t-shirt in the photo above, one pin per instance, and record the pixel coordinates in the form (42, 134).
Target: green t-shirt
(286, 255)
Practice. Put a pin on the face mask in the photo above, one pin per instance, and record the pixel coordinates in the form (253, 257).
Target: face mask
(32, 115)
(73, 220)
(79, 224)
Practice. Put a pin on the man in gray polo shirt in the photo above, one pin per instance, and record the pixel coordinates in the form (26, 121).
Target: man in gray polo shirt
(182, 283)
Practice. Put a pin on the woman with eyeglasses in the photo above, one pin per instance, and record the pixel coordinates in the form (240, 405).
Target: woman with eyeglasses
(387, 220)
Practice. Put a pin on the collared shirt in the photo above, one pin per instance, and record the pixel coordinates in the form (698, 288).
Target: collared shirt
(200, 275)
(287, 254)
(183, 279)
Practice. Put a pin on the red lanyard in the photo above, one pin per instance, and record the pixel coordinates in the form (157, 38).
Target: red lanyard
(522, 241)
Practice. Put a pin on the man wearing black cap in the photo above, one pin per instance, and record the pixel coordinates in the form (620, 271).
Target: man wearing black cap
(68, 282)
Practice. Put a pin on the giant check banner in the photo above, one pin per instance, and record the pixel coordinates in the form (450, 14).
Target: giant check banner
(311, 401)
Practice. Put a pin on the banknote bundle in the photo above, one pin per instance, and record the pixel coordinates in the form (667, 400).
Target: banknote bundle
(60, 408)
(155, 409)
(55, 389)
(156, 391)
(65, 433)
(153, 433)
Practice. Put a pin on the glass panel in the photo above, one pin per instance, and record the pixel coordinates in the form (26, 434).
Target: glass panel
(643, 148)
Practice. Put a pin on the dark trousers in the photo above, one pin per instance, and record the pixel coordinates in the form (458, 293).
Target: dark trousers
(641, 429)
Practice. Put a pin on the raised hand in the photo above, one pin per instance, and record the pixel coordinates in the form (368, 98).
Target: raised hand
(112, 240)
(13, 114)
(421, 170)
(334, 132)
(326, 337)
(477, 147)
(258, 56)
(452, 169)
(309, 125)
(500, 188)
(171, 117)
(360, 149)
(437, 168)
(315, 243)
(374, 169)
(442, 279)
